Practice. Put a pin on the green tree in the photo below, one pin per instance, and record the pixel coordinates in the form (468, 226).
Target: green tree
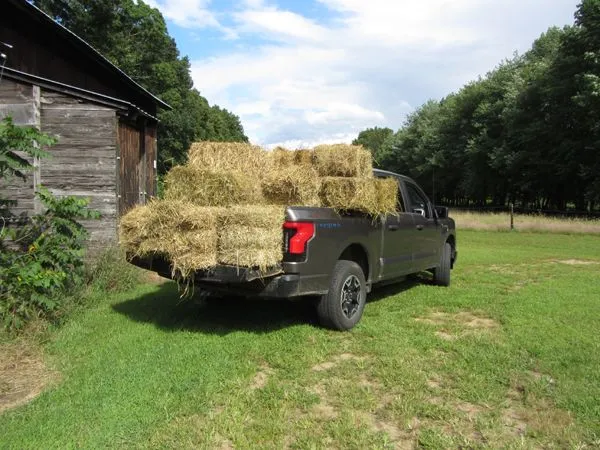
(373, 139)
(135, 38)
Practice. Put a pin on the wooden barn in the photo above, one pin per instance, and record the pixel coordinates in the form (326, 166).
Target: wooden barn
(104, 121)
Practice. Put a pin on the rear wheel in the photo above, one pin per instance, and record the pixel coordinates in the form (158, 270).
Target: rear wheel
(441, 274)
(342, 307)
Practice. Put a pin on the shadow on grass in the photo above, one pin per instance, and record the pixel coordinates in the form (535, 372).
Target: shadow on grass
(383, 292)
(221, 316)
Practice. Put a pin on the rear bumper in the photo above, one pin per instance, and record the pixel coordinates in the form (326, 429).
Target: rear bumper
(273, 283)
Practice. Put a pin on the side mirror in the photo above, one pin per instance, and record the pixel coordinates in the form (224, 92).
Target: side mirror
(419, 211)
(442, 212)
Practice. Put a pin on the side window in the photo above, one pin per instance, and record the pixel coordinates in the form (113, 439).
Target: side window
(418, 203)
(400, 206)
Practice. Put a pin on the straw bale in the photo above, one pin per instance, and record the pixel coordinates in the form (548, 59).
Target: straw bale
(135, 227)
(304, 157)
(209, 188)
(250, 247)
(182, 232)
(343, 160)
(387, 194)
(227, 156)
(267, 216)
(251, 236)
(281, 157)
(295, 185)
(358, 194)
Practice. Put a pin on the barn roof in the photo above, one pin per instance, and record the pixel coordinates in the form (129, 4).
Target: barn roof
(36, 14)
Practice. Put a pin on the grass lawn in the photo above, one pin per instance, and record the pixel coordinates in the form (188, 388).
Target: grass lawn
(508, 356)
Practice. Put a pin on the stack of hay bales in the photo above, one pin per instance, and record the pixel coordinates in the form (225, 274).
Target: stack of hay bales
(347, 181)
(227, 204)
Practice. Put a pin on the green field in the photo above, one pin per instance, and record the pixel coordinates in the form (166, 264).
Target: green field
(508, 356)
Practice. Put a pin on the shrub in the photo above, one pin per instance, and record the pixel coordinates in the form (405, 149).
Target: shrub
(43, 260)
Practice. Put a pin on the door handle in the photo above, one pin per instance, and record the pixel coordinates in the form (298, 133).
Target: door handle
(420, 227)
(393, 227)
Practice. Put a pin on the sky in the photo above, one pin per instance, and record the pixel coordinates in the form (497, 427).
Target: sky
(303, 72)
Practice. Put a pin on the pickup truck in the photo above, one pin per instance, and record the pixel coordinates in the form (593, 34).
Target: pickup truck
(337, 258)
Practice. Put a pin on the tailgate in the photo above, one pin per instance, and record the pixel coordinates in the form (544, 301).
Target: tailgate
(218, 274)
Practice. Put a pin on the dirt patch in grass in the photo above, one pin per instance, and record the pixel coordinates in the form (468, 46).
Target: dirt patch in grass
(398, 436)
(261, 378)
(323, 409)
(577, 262)
(446, 336)
(327, 365)
(23, 375)
(469, 322)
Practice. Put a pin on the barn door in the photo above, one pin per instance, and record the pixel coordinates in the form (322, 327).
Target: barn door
(132, 171)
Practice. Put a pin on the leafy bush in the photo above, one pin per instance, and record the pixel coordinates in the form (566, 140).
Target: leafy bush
(43, 261)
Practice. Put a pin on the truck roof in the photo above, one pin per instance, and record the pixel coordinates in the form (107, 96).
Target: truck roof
(386, 173)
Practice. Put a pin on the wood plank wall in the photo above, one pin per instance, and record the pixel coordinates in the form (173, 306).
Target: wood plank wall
(83, 162)
(151, 159)
(131, 167)
(21, 102)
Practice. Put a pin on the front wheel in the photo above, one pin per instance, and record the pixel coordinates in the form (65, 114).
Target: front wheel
(441, 274)
(342, 307)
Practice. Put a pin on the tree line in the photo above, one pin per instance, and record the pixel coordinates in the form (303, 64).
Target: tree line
(134, 37)
(527, 133)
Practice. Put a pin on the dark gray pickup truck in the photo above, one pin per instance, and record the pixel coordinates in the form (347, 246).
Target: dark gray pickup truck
(338, 258)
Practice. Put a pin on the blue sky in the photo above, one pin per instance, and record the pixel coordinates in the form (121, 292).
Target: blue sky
(300, 73)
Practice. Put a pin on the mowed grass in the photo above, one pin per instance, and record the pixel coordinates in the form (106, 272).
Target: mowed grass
(524, 222)
(507, 357)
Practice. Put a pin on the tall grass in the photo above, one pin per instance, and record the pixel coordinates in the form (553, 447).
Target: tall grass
(522, 222)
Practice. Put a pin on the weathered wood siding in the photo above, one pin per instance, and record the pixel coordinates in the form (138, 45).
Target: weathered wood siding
(131, 168)
(83, 161)
(21, 102)
(151, 158)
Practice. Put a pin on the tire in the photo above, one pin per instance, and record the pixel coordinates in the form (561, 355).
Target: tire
(441, 274)
(347, 282)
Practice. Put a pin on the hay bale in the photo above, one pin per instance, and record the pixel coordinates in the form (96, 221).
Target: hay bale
(343, 160)
(304, 157)
(135, 227)
(183, 233)
(251, 236)
(281, 157)
(387, 190)
(227, 156)
(358, 194)
(210, 188)
(292, 186)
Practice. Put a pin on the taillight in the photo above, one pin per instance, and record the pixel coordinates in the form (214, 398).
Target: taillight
(299, 234)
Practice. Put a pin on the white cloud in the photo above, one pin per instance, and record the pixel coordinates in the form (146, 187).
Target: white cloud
(312, 82)
(190, 14)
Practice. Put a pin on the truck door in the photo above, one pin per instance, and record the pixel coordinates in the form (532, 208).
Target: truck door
(425, 242)
(396, 248)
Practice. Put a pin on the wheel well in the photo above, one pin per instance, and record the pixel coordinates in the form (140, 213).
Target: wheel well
(358, 254)
(452, 241)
